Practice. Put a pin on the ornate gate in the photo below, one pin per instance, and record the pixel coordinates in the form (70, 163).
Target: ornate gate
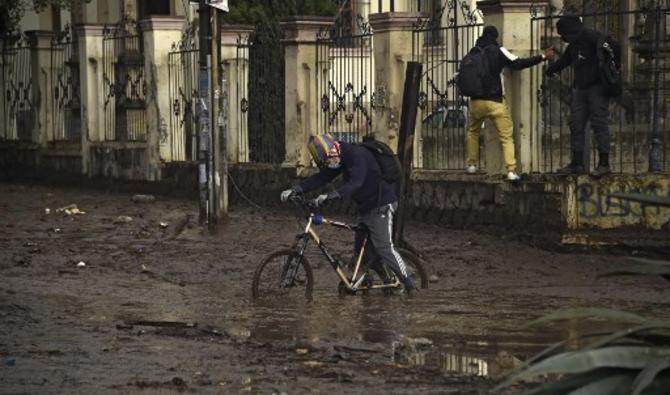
(124, 83)
(64, 84)
(183, 70)
(20, 111)
(264, 103)
(440, 43)
(345, 79)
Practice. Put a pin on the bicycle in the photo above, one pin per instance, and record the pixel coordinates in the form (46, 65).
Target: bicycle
(288, 271)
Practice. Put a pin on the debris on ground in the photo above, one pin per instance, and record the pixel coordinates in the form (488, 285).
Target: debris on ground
(81, 264)
(143, 198)
(164, 225)
(123, 219)
(70, 209)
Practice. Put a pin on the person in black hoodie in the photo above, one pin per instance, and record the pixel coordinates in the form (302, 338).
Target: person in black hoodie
(492, 104)
(589, 100)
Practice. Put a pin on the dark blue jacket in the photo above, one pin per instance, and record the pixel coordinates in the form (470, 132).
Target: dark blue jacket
(362, 179)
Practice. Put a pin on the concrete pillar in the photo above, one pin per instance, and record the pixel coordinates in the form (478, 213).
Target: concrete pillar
(235, 56)
(92, 98)
(512, 18)
(158, 33)
(39, 42)
(301, 98)
(392, 45)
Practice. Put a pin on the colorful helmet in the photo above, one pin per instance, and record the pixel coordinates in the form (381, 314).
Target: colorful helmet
(322, 147)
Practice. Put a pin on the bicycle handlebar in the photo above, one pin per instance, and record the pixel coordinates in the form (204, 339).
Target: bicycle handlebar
(299, 199)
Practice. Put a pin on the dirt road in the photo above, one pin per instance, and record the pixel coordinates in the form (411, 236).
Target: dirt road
(64, 325)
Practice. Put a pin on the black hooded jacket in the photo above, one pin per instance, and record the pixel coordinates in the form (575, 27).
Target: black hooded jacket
(498, 58)
(581, 53)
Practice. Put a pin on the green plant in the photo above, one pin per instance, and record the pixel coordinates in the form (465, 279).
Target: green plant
(635, 360)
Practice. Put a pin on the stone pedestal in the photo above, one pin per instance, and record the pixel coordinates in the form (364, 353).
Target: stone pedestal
(392, 50)
(90, 81)
(158, 34)
(301, 97)
(40, 62)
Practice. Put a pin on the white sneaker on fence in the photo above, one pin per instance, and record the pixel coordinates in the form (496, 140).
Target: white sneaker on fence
(512, 176)
(471, 169)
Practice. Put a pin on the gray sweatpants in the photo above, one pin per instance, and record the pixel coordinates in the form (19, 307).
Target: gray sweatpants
(379, 222)
(590, 105)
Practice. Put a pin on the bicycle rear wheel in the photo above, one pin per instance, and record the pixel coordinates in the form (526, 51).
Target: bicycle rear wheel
(415, 267)
(283, 274)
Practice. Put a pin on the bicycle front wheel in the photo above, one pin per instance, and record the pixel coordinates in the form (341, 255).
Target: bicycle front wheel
(283, 274)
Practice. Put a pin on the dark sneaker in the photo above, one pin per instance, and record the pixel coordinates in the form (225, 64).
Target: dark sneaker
(601, 171)
(571, 169)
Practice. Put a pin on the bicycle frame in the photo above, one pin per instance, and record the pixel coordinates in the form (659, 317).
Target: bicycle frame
(355, 283)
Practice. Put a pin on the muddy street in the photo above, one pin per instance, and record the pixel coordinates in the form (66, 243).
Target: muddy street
(77, 284)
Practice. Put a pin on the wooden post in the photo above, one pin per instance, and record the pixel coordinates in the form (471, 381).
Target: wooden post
(410, 101)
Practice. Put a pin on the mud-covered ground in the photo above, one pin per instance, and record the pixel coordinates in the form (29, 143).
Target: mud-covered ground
(64, 328)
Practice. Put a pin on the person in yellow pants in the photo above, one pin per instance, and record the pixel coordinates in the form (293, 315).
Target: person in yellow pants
(499, 114)
(491, 104)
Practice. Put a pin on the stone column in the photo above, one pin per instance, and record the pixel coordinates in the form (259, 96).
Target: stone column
(159, 33)
(392, 45)
(92, 98)
(301, 97)
(235, 56)
(39, 42)
(512, 18)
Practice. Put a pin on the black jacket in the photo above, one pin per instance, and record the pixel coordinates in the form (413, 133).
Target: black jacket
(582, 55)
(498, 58)
(362, 179)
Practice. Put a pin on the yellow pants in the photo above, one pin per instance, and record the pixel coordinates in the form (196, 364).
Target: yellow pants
(499, 114)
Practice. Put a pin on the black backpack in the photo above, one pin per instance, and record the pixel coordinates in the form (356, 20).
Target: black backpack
(610, 72)
(386, 159)
(473, 72)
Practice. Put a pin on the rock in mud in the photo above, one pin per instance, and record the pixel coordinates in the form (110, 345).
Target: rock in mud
(143, 198)
(123, 219)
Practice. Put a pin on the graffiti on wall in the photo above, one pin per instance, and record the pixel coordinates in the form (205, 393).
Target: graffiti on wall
(597, 207)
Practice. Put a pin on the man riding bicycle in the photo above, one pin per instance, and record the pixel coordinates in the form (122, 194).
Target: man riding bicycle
(375, 198)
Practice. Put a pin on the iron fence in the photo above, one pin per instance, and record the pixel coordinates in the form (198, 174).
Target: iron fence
(261, 65)
(345, 81)
(65, 88)
(183, 69)
(440, 43)
(639, 120)
(124, 84)
(19, 105)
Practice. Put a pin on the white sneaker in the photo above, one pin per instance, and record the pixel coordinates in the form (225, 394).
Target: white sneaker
(512, 176)
(471, 169)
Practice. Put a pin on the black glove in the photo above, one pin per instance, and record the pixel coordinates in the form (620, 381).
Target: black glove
(322, 199)
(286, 194)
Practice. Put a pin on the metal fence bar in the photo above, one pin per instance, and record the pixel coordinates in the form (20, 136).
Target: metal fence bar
(183, 91)
(345, 82)
(65, 88)
(19, 106)
(241, 86)
(124, 84)
(266, 85)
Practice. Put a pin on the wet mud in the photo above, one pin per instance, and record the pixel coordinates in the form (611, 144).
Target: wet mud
(134, 297)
